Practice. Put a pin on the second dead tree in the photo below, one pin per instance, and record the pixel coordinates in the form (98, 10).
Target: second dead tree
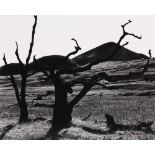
(24, 68)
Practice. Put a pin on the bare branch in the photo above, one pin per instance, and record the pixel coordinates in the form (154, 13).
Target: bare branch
(82, 93)
(147, 64)
(34, 59)
(76, 42)
(77, 48)
(150, 54)
(17, 55)
(32, 41)
(12, 79)
(88, 86)
(126, 33)
(131, 34)
(125, 44)
(4, 59)
(123, 26)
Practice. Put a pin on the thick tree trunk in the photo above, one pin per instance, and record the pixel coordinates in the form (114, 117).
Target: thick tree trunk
(23, 112)
(61, 118)
(61, 115)
(23, 105)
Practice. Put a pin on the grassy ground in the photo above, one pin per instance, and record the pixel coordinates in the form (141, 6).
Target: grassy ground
(128, 102)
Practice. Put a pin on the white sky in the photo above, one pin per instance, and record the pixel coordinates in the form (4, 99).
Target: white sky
(53, 33)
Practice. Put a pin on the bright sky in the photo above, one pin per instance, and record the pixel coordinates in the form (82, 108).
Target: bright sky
(53, 33)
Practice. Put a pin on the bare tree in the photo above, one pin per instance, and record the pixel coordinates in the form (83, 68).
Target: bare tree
(62, 113)
(24, 68)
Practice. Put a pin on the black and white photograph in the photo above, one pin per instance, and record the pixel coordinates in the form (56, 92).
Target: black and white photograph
(77, 77)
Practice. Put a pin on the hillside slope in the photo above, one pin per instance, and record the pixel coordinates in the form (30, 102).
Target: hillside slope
(102, 51)
(106, 50)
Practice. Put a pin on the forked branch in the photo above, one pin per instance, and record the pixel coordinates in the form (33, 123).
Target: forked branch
(77, 48)
(123, 26)
(125, 33)
(95, 62)
(54, 66)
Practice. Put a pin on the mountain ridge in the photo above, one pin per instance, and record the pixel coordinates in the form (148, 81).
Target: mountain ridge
(106, 50)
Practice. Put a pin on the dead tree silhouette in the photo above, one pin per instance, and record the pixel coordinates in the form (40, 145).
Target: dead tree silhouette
(62, 113)
(24, 68)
